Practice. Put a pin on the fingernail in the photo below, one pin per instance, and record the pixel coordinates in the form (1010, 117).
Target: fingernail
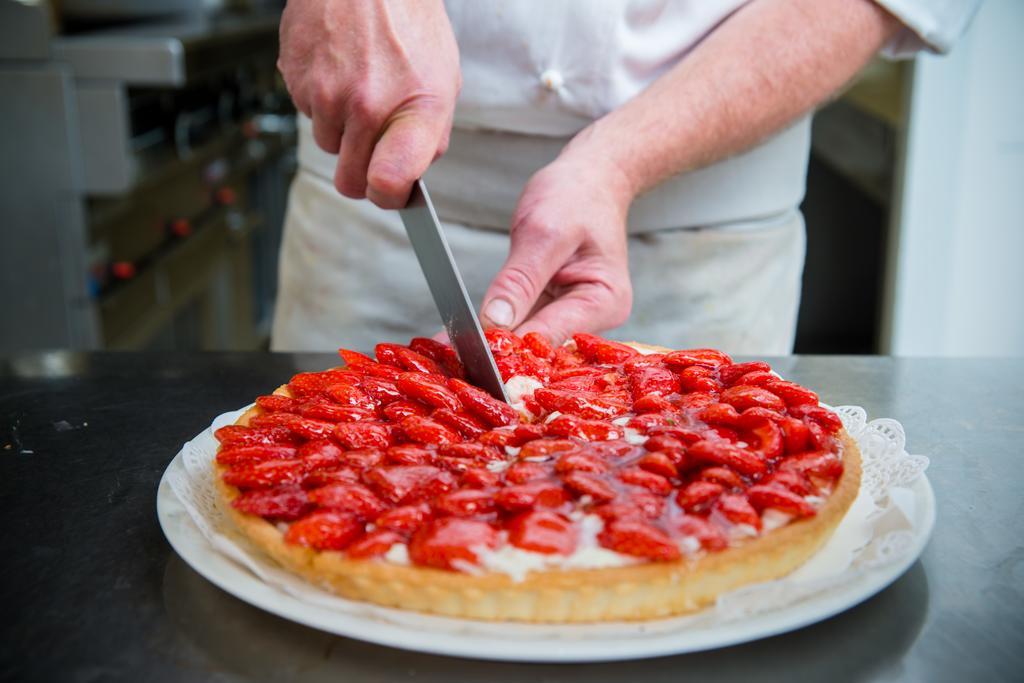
(499, 312)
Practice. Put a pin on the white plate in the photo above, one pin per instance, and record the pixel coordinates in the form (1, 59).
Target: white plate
(523, 642)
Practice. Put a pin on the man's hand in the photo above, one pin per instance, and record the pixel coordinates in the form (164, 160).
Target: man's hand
(379, 79)
(767, 64)
(567, 269)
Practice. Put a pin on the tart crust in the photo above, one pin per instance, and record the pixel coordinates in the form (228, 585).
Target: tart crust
(634, 592)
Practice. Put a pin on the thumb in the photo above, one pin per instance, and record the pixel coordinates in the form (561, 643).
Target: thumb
(408, 145)
(535, 255)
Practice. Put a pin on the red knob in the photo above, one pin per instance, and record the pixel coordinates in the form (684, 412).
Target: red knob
(226, 196)
(181, 227)
(122, 270)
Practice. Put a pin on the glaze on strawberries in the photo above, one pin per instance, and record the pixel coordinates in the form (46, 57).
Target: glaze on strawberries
(606, 452)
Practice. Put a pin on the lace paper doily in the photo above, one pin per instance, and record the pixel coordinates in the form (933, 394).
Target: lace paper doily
(877, 531)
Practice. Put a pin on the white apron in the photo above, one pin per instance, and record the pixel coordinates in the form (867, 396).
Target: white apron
(715, 255)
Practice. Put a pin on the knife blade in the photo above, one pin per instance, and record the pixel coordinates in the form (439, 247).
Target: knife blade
(449, 292)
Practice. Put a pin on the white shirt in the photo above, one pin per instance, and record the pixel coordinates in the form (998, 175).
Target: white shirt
(549, 67)
(535, 72)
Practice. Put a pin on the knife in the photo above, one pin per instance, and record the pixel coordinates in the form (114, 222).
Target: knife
(450, 297)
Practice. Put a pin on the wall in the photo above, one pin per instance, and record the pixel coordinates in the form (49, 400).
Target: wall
(956, 282)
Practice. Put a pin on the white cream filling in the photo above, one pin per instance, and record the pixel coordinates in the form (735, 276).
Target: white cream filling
(518, 388)
(398, 553)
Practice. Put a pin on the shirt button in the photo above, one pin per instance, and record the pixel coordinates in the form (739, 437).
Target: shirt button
(552, 80)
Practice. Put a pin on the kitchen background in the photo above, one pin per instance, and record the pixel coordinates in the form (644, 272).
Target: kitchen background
(146, 149)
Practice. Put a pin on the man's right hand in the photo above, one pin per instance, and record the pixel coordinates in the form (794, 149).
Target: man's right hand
(379, 78)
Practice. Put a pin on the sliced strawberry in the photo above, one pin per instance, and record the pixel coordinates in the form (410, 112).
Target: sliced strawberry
(363, 458)
(239, 455)
(767, 439)
(381, 390)
(364, 366)
(503, 342)
(539, 345)
(335, 475)
(277, 403)
(587, 430)
(795, 481)
(522, 472)
(542, 531)
(310, 428)
(354, 357)
(581, 461)
(497, 437)
(659, 463)
(427, 431)
(711, 358)
(795, 434)
(655, 380)
(237, 435)
(474, 451)
(466, 425)
(465, 503)
(780, 498)
(320, 454)
(354, 498)
(261, 475)
(325, 530)
(729, 374)
(374, 544)
(696, 400)
(698, 496)
(757, 379)
(636, 504)
(588, 405)
(654, 483)
(792, 393)
(737, 509)
(598, 350)
(815, 463)
(719, 414)
(566, 357)
(742, 397)
(285, 503)
(364, 434)
(405, 484)
(351, 395)
(709, 536)
(533, 494)
(524, 433)
(399, 410)
(683, 435)
(307, 384)
(589, 484)
(825, 418)
(329, 412)
(652, 403)
(639, 539)
(446, 542)
(543, 448)
(388, 354)
(479, 478)
(493, 412)
(730, 455)
(698, 378)
(409, 454)
(442, 354)
(424, 389)
(723, 476)
(405, 519)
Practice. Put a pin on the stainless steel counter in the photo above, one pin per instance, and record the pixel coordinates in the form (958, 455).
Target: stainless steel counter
(91, 591)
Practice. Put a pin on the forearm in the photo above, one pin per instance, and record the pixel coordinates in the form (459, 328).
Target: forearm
(765, 66)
